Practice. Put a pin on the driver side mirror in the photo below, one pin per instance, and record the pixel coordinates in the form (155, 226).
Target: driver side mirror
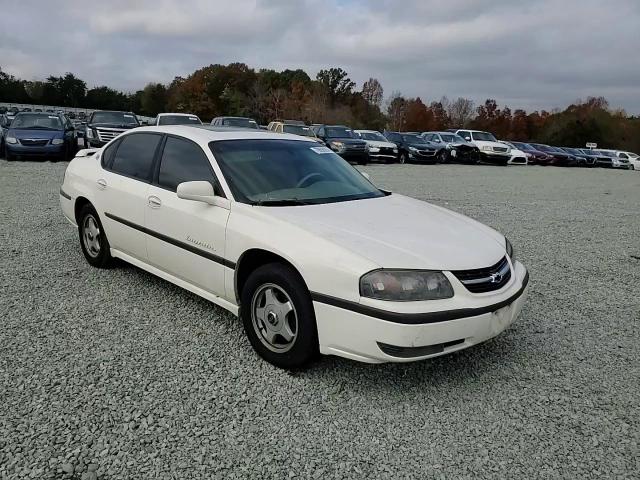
(468, 139)
(198, 191)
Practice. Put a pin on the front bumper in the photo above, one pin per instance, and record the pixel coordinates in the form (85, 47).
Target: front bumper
(366, 338)
(355, 156)
(35, 151)
(423, 156)
(496, 158)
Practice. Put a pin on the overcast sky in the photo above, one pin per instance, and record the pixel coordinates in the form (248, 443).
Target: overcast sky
(528, 54)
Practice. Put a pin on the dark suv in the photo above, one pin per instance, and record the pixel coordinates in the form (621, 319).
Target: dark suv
(412, 147)
(104, 126)
(344, 142)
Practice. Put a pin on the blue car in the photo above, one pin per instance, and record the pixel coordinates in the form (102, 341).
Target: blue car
(43, 135)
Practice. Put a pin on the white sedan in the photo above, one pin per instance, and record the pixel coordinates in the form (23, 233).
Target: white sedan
(287, 235)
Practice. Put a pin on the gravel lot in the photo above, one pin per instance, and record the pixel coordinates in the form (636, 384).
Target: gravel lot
(118, 374)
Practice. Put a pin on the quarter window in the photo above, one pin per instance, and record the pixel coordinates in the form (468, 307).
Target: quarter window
(183, 161)
(135, 155)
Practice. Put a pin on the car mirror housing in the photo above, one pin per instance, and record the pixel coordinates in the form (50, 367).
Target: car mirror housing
(198, 191)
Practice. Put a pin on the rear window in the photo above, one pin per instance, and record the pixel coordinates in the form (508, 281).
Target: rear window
(179, 120)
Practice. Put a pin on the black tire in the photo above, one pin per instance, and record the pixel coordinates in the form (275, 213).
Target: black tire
(404, 158)
(100, 257)
(303, 348)
(443, 156)
(362, 161)
(86, 144)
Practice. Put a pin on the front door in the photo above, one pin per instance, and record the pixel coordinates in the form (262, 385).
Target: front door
(185, 238)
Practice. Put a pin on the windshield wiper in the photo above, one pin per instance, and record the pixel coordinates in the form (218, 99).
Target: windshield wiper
(284, 202)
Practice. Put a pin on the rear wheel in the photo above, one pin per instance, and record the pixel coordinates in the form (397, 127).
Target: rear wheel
(278, 316)
(93, 239)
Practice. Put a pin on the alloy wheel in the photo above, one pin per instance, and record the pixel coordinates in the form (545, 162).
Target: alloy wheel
(274, 318)
(91, 236)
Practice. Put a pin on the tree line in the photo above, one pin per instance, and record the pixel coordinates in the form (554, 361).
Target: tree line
(332, 97)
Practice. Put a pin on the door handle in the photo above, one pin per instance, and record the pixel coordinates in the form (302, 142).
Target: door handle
(154, 202)
(102, 184)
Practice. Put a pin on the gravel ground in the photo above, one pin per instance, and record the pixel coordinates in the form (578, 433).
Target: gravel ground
(118, 374)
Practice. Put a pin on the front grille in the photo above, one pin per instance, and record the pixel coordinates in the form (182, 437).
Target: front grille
(108, 134)
(500, 149)
(519, 160)
(413, 352)
(485, 279)
(426, 153)
(33, 142)
(386, 151)
(356, 148)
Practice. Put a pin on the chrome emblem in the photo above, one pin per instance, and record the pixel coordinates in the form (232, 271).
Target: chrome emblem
(495, 278)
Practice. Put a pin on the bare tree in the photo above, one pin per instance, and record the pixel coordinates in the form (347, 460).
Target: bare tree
(373, 92)
(460, 111)
(397, 111)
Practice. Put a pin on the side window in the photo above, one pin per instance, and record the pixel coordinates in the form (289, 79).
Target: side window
(134, 156)
(321, 132)
(464, 134)
(183, 161)
(279, 129)
(623, 155)
(108, 153)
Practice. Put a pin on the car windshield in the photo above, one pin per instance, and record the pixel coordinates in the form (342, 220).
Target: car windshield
(374, 136)
(601, 152)
(543, 148)
(523, 146)
(37, 121)
(117, 118)
(339, 132)
(179, 120)
(240, 122)
(288, 172)
(483, 136)
(298, 130)
(413, 138)
(450, 138)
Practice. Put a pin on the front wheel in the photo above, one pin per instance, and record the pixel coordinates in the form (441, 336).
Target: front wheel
(404, 158)
(443, 157)
(278, 316)
(93, 239)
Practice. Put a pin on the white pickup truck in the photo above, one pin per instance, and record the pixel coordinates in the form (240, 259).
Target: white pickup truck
(491, 150)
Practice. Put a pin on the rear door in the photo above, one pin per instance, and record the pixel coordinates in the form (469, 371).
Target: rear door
(121, 191)
(186, 238)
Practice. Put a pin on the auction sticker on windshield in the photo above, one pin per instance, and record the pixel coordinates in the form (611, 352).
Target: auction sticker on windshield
(321, 150)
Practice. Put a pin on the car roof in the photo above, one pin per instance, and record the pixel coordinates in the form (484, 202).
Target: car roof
(367, 131)
(208, 133)
(178, 114)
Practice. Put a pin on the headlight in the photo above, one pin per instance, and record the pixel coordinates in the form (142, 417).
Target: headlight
(57, 141)
(395, 150)
(89, 133)
(486, 148)
(405, 285)
(11, 140)
(510, 251)
(337, 145)
(413, 149)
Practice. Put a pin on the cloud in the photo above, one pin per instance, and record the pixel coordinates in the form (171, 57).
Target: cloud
(531, 54)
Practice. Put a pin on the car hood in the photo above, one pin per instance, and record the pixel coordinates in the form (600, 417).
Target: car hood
(347, 140)
(112, 125)
(400, 232)
(380, 144)
(35, 133)
(483, 143)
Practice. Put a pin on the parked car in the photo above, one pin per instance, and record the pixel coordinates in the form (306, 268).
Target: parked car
(584, 159)
(380, 149)
(40, 135)
(518, 157)
(177, 119)
(412, 147)
(491, 150)
(609, 159)
(535, 156)
(4, 128)
(344, 142)
(242, 122)
(12, 112)
(27, 109)
(452, 147)
(634, 159)
(272, 125)
(385, 278)
(82, 116)
(103, 126)
(295, 129)
(559, 157)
